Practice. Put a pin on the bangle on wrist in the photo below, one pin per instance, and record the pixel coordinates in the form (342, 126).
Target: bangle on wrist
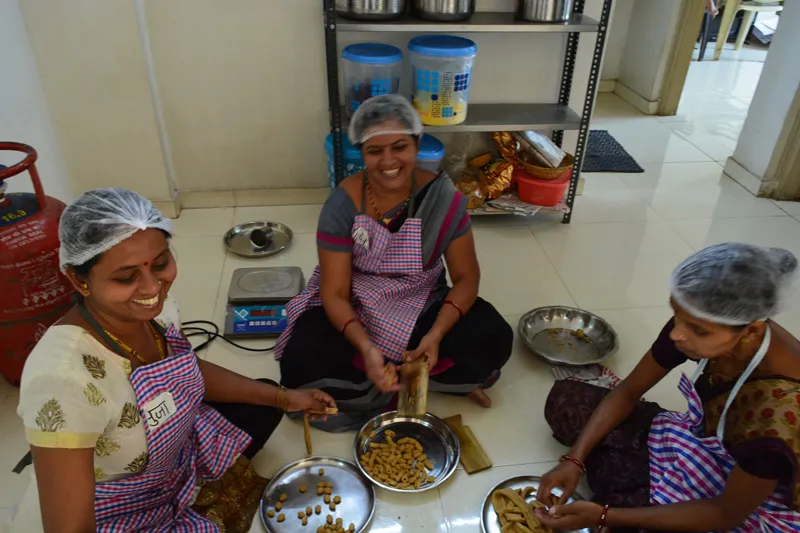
(603, 516)
(574, 461)
(456, 307)
(281, 399)
(347, 325)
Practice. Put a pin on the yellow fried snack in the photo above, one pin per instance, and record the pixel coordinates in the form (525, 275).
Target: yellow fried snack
(283, 497)
(278, 506)
(309, 510)
(271, 513)
(402, 464)
(303, 488)
(281, 517)
(515, 514)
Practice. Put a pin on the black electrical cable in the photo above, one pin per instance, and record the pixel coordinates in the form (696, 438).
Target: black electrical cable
(194, 328)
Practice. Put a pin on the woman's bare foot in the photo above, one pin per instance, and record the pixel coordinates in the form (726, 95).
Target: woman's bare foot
(479, 396)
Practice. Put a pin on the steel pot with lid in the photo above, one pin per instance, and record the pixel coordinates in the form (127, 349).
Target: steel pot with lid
(544, 10)
(379, 10)
(444, 10)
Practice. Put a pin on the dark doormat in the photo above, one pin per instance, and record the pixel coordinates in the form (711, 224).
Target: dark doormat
(605, 154)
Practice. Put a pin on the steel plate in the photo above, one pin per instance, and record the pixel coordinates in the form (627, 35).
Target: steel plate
(358, 495)
(438, 441)
(491, 524)
(276, 238)
(559, 336)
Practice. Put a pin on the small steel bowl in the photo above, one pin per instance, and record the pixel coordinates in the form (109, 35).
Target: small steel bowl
(438, 441)
(258, 239)
(567, 336)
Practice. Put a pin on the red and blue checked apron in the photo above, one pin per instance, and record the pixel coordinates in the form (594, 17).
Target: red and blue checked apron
(685, 466)
(186, 442)
(389, 289)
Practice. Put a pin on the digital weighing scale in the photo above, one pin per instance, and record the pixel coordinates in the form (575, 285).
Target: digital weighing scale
(257, 300)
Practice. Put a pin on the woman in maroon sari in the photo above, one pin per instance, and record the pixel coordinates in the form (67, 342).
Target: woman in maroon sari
(380, 295)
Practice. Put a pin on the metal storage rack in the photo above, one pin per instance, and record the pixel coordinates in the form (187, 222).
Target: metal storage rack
(489, 117)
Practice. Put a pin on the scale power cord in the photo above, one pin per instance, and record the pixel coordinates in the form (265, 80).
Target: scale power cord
(196, 328)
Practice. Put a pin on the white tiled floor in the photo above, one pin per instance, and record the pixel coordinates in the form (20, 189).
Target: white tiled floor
(628, 232)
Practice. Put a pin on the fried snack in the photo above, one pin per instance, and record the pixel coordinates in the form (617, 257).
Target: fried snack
(321, 471)
(327, 498)
(515, 514)
(309, 510)
(332, 506)
(480, 161)
(304, 521)
(271, 513)
(303, 489)
(402, 464)
(329, 519)
(301, 514)
(281, 517)
(337, 500)
(317, 509)
(307, 434)
(283, 497)
(278, 506)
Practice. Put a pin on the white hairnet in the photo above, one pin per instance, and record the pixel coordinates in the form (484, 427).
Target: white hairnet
(734, 284)
(101, 219)
(375, 116)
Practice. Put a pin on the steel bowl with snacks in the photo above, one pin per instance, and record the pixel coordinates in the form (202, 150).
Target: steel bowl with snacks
(294, 490)
(567, 336)
(437, 442)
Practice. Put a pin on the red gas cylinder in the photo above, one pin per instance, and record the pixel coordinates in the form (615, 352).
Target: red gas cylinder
(33, 292)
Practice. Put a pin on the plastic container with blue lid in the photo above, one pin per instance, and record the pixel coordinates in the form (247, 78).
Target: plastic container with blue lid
(442, 69)
(370, 69)
(353, 162)
(431, 153)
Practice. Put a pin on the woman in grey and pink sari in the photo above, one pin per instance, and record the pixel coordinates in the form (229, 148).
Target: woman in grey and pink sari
(380, 296)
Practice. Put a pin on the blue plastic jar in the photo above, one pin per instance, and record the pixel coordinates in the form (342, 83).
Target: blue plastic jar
(442, 70)
(370, 69)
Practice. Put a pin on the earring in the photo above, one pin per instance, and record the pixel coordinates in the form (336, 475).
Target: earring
(85, 288)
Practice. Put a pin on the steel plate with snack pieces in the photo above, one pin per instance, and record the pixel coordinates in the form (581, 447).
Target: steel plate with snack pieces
(326, 494)
(407, 454)
(512, 502)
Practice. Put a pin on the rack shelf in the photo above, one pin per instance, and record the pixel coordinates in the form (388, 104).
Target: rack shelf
(556, 116)
(511, 117)
(480, 22)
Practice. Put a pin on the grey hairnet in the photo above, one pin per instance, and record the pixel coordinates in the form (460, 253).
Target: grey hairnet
(734, 284)
(101, 219)
(374, 116)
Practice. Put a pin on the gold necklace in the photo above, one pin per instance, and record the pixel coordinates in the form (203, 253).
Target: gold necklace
(378, 212)
(133, 352)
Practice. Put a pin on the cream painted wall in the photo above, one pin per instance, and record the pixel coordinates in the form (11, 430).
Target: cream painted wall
(651, 31)
(93, 71)
(772, 101)
(616, 38)
(24, 115)
(241, 83)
